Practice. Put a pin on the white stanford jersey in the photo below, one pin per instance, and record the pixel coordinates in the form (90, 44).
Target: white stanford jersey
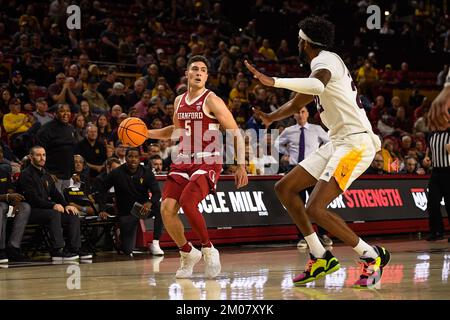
(339, 105)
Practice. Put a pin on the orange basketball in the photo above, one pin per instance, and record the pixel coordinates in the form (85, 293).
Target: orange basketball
(132, 132)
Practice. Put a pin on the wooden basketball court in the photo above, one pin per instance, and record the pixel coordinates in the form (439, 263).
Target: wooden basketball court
(419, 270)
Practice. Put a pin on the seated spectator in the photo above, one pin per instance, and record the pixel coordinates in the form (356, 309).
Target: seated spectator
(21, 212)
(239, 91)
(267, 52)
(405, 144)
(402, 123)
(117, 96)
(367, 78)
(96, 100)
(92, 150)
(156, 164)
(116, 111)
(79, 124)
(376, 167)
(86, 111)
(49, 207)
(106, 85)
(411, 166)
(21, 128)
(142, 106)
(104, 129)
(80, 181)
(41, 114)
(388, 76)
(62, 91)
(135, 96)
(403, 77)
(391, 161)
(119, 152)
(17, 88)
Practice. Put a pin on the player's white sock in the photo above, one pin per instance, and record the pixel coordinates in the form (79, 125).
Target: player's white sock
(365, 249)
(315, 246)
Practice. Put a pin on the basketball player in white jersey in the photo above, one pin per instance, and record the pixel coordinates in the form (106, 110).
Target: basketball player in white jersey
(335, 165)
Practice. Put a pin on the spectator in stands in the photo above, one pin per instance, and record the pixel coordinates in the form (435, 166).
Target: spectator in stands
(133, 183)
(119, 152)
(114, 121)
(377, 166)
(367, 78)
(17, 88)
(143, 58)
(388, 76)
(20, 128)
(104, 129)
(61, 90)
(240, 91)
(80, 181)
(110, 43)
(49, 207)
(135, 95)
(86, 111)
(156, 164)
(106, 85)
(79, 124)
(403, 77)
(92, 150)
(153, 111)
(4, 101)
(96, 100)
(142, 106)
(58, 139)
(21, 213)
(267, 52)
(405, 144)
(117, 96)
(411, 166)
(41, 114)
(402, 123)
(379, 108)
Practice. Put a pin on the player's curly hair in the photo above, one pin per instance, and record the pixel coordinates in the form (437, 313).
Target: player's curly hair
(318, 30)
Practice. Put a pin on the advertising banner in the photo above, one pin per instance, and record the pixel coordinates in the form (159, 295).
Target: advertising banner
(366, 200)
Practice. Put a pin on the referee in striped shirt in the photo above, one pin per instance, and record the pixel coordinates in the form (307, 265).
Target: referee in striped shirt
(439, 184)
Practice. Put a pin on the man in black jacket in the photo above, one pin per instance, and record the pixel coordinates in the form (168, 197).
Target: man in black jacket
(133, 183)
(49, 207)
(57, 137)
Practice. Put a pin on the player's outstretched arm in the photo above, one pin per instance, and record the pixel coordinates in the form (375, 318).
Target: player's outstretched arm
(163, 133)
(226, 120)
(169, 132)
(314, 85)
(286, 110)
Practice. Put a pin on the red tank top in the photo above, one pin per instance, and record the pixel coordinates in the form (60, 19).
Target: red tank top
(201, 130)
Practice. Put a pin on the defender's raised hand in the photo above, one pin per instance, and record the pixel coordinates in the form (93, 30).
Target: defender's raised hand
(265, 80)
